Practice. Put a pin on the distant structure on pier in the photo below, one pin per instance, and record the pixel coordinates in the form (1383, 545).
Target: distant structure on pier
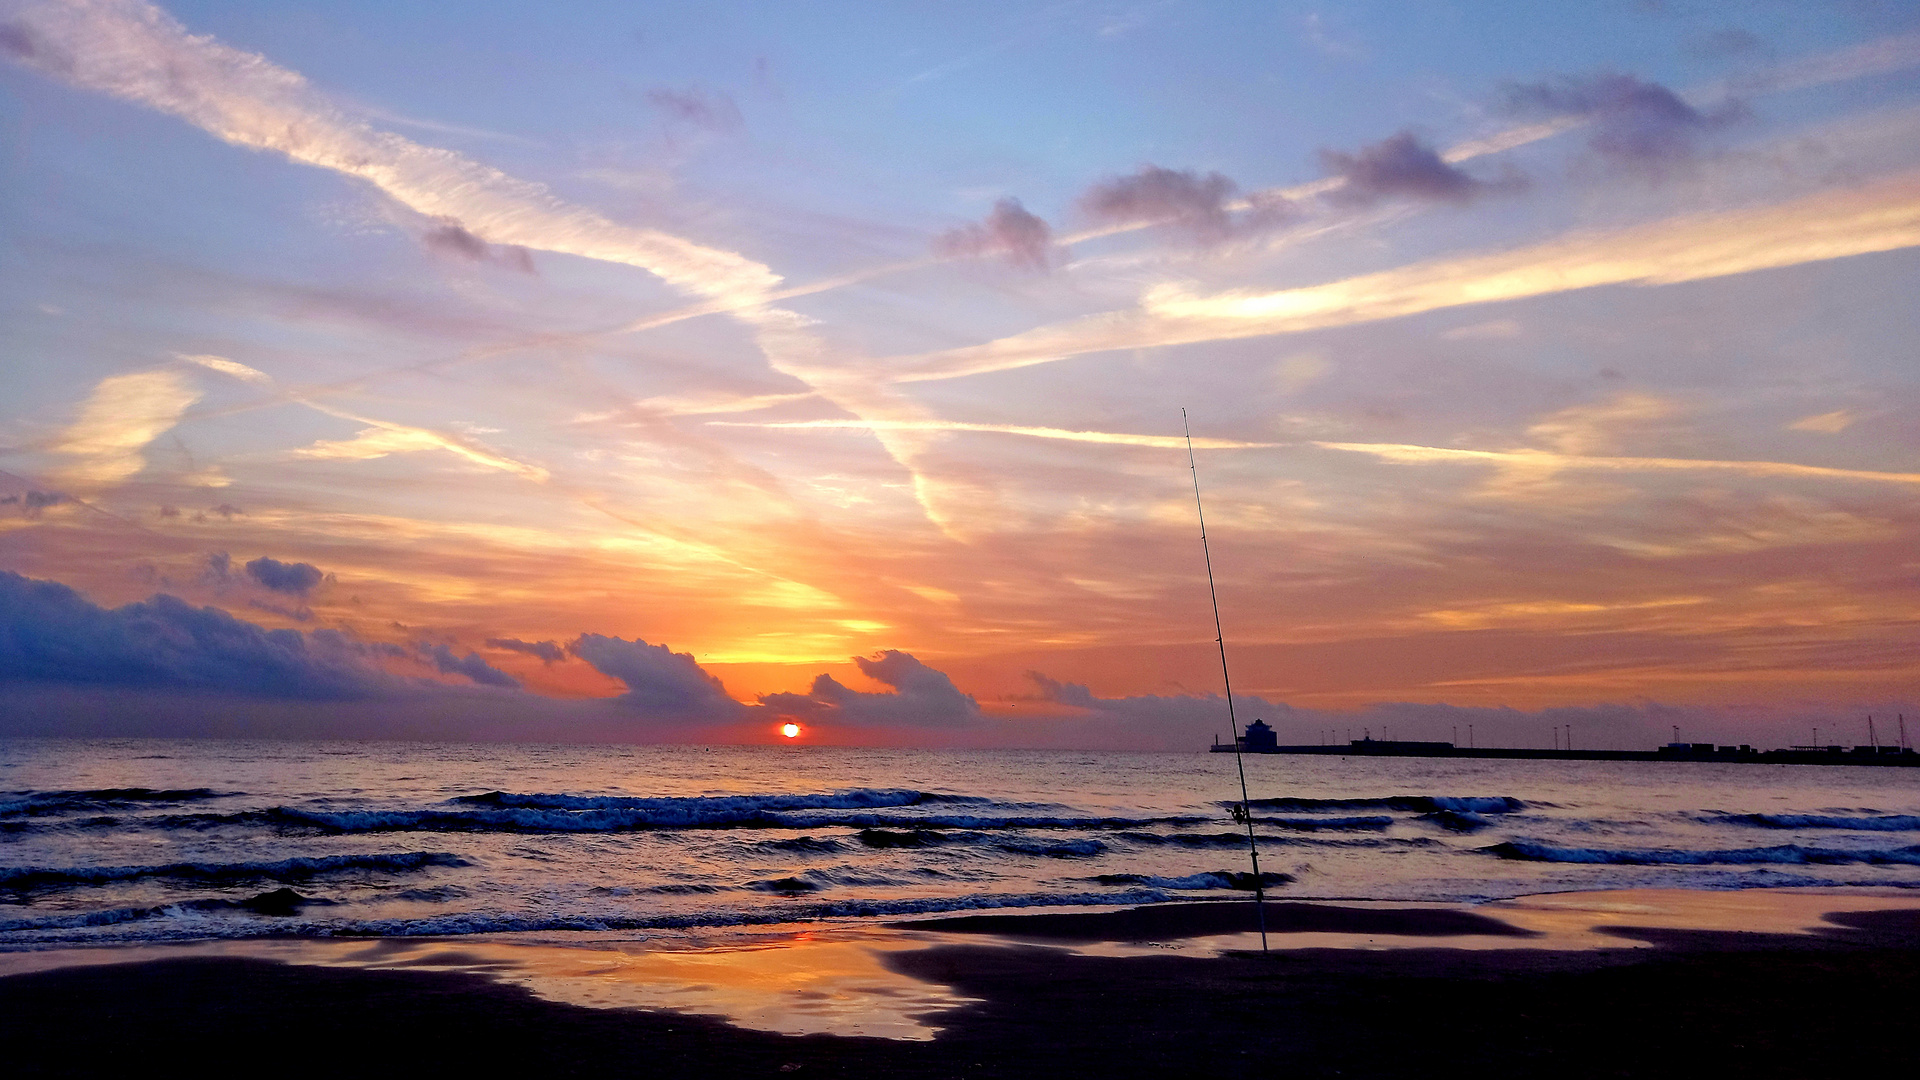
(1261, 739)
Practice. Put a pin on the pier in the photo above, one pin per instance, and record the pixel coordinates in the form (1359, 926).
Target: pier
(1894, 756)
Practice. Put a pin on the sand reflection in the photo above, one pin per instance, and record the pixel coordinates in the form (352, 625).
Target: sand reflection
(805, 985)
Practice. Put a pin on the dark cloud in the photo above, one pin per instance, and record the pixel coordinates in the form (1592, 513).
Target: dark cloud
(15, 39)
(294, 579)
(1200, 205)
(19, 41)
(548, 651)
(1635, 124)
(470, 665)
(228, 511)
(298, 613)
(922, 697)
(660, 682)
(50, 633)
(452, 238)
(1010, 230)
(34, 501)
(1402, 167)
(701, 108)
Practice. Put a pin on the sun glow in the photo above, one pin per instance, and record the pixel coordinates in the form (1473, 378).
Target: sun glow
(791, 731)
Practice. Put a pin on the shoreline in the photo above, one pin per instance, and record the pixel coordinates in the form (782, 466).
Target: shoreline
(1645, 982)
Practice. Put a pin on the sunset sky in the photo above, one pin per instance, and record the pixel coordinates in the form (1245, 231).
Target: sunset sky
(609, 370)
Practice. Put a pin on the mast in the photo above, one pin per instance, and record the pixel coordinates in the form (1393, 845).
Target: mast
(1220, 639)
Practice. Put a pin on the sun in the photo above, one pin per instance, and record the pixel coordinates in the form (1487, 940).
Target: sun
(791, 731)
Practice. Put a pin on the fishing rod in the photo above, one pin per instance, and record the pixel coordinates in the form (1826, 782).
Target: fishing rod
(1245, 810)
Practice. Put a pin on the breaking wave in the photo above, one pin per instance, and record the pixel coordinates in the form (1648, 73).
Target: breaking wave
(927, 838)
(1458, 820)
(1218, 879)
(1418, 804)
(44, 930)
(1239, 840)
(24, 878)
(730, 813)
(852, 799)
(1783, 854)
(39, 803)
(1316, 824)
(1871, 823)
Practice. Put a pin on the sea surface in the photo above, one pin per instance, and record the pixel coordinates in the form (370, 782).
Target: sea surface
(131, 841)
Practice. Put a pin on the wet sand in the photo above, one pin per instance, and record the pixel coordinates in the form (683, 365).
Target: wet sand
(1799, 985)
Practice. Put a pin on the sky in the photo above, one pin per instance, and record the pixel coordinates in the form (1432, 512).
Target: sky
(672, 372)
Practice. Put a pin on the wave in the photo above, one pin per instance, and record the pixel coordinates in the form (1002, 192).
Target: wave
(851, 799)
(926, 838)
(1315, 824)
(1056, 849)
(431, 894)
(986, 822)
(1497, 804)
(280, 903)
(1218, 879)
(464, 923)
(81, 920)
(917, 838)
(1458, 820)
(1871, 823)
(785, 886)
(838, 877)
(21, 879)
(1192, 840)
(1239, 840)
(805, 844)
(1783, 854)
(39, 803)
(634, 819)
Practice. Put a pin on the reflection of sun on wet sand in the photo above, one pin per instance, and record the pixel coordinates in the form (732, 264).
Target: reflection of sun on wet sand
(800, 986)
(1654, 982)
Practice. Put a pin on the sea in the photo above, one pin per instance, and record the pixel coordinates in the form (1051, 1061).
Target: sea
(108, 842)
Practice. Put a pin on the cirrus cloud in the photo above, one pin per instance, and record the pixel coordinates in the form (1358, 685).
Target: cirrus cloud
(122, 415)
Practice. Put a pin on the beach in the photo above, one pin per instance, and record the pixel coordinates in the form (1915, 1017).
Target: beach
(1155, 991)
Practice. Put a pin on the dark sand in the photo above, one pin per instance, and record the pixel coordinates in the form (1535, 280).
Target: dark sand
(1701, 1004)
(1167, 922)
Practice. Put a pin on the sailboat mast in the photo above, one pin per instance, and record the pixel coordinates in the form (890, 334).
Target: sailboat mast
(1233, 729)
